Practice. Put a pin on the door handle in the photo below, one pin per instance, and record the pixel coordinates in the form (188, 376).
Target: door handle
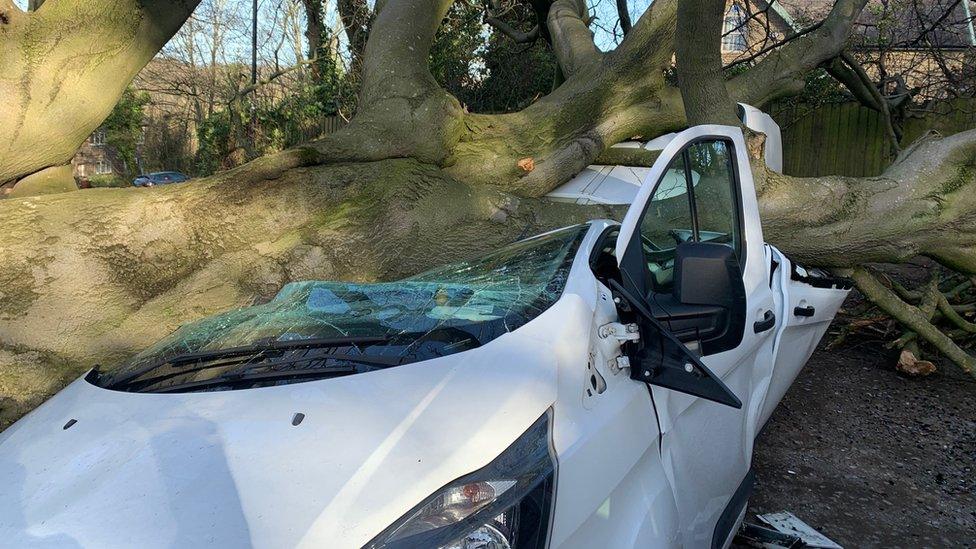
(807, 311)
(768, 321)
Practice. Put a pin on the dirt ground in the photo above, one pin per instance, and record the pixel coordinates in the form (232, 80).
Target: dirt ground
(869, 457)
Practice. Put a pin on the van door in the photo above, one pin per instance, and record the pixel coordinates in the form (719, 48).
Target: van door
(810, 299)
(691, 255)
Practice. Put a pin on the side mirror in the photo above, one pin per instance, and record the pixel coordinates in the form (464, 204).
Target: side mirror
(659, 358)
(708, 274)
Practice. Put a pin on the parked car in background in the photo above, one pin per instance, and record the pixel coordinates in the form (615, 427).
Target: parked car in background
(160, 178)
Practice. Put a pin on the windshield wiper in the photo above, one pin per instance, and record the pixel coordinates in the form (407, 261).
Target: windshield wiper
(206, 360)
(250, 379)
(250, 357)
(272, 345)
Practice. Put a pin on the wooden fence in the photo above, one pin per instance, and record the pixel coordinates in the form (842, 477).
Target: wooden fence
(848, 139)
(296, 134)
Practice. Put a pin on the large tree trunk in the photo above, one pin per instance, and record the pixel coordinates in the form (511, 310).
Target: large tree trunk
(922, 205)
(90, 277)
(93, 276)
(64, 67)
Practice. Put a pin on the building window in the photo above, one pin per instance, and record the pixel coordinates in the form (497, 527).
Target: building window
(734, 30)
(102, 167)
(98, 138)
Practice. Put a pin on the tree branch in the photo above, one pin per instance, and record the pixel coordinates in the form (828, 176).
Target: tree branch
(88, 49)
(650, 41)
(626, 156)
(922, 205)
(946, 309)
(572, 40)
(860, 89)
(513, 33)
(774, 46)
(623, 12)
(251, 88)
(856, 79)
(783, 70)
(911, 317)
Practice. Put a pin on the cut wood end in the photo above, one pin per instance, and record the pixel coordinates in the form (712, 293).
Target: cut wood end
(526, 164)
(910, 365)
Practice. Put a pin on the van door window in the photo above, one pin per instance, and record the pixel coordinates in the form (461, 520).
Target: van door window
(715, 204)
(667, 222)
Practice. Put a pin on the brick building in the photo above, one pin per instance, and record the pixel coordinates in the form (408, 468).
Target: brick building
(95, 158)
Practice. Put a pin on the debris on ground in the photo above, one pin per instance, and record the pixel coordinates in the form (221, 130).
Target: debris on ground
(782, 530)
(760, 537)
(910, 365)
(787, 523)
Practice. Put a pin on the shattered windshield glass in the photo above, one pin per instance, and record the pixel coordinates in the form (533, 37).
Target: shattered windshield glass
(314, 329)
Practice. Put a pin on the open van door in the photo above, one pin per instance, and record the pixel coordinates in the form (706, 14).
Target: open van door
(695, 275)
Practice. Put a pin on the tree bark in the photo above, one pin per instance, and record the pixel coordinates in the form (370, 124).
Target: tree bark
(572, 40)
(95, 275)
(699, 63)
(72, 61)
(92, 276)
(922, 205)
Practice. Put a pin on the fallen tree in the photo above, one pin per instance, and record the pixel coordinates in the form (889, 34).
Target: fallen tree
(415, 180)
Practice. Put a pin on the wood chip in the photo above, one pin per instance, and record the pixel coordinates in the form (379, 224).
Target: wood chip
(910, 365)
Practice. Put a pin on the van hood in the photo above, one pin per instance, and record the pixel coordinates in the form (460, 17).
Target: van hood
(100, 468)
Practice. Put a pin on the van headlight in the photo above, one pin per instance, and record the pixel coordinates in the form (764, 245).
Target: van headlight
(505, 505)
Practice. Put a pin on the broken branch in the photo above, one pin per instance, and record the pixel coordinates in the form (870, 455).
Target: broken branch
(572, 41)
(913, 317)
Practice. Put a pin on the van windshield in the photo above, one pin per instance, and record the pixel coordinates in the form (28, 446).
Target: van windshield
(445, 310)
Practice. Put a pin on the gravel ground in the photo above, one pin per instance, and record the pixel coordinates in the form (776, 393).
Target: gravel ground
(871, 458)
